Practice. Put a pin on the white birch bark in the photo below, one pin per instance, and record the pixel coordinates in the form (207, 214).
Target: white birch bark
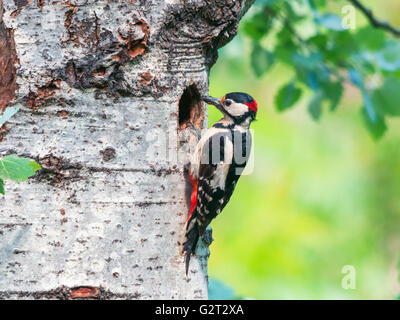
(100, 83)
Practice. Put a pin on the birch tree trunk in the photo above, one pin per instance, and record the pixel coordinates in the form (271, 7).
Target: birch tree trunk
(105, 88)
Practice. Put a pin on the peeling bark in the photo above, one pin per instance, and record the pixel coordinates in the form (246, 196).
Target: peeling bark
(105, 89)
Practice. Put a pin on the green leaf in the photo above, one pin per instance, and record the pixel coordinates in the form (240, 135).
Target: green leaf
(258, 26)
(35, 166)
(340, 46)
(2, 186)
(320, 41)
(287, 96)
(387, 98)
(376, 128)
(285, 46)
(261, 60)
(315, 106)
(283, 53)
(371, 38)
(333, 92)
(8, 113)
(17, 168)
(319, 3)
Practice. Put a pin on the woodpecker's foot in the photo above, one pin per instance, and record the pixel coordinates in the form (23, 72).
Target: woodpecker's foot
(192, 128)
(188, 125)
(207, 236)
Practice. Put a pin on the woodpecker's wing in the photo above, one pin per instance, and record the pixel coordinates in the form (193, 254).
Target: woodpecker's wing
(215, 168)
(218, 174)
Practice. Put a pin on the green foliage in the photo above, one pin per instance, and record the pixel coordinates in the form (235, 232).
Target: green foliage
(287, 96)
(326, 57)
(386, 99)
(320, 195)
(376, 127)
(17, 169)
(261, 60)
(13, 167)
(315, 106)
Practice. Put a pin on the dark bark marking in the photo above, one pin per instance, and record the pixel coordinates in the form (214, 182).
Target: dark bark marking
(129, 45)
(83, 33)
(8, 59)
(200, 28)
(20, 5)
(84, 292)
(65, 293)
(42, 94)
(146, 77)
(108, 153)
(135, 43)
(63, 113)
(54, 170)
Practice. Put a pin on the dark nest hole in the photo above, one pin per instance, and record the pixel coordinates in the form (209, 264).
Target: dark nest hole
(190, 111)
(191, 108)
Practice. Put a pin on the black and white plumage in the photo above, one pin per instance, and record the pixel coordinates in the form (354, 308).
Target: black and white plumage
(217, 163)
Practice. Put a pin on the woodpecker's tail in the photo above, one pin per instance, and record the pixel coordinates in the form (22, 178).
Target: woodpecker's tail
(191, 239)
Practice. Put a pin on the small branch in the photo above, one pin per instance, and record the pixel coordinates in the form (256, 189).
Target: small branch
(373, 20)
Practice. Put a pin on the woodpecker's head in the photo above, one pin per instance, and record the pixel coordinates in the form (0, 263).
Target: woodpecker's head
(239, 107)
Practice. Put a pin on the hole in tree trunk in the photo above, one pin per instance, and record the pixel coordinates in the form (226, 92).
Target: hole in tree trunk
(191, 108)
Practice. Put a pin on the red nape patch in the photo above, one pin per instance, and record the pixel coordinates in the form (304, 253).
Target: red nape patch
(193, 199)
(253, 105)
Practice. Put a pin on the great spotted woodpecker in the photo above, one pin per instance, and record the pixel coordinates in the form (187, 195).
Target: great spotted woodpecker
(217, 163)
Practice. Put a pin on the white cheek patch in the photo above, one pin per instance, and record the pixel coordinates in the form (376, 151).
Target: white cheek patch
(237, 109)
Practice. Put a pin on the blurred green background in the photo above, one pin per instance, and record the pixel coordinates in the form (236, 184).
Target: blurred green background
(322, 194)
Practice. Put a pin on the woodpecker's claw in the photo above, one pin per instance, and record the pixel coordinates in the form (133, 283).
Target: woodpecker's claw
(187, 125)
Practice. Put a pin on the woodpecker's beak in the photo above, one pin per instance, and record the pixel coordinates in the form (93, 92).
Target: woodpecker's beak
(214, 102)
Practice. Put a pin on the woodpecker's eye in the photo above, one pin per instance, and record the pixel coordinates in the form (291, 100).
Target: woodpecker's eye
(228, 103)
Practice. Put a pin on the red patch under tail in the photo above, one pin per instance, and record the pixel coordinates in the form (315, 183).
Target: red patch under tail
(193, 199)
